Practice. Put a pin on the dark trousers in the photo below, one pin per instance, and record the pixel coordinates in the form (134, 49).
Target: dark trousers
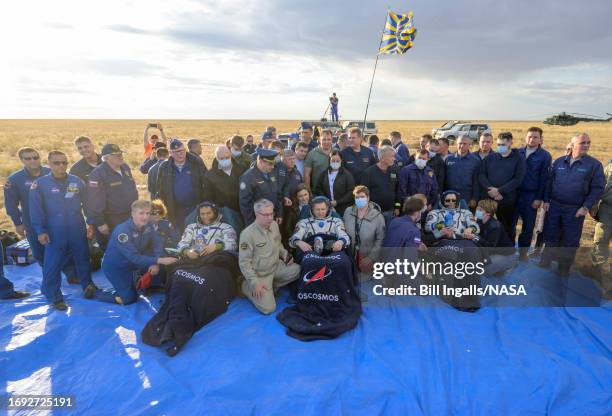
(527, 214)
(505, 215)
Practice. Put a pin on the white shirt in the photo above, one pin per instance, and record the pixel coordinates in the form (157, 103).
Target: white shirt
(332, 177)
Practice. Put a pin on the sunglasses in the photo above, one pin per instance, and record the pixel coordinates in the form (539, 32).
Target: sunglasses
(31, 158)
(59, 162)
(155, 212)
(450, 200)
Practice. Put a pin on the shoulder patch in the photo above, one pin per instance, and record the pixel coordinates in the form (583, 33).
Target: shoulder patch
(431, 174)
(242, 186)
(93, 184)
(244, 246)
(123, 238)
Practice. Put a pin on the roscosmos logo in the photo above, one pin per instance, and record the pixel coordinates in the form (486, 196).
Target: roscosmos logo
(320, 274)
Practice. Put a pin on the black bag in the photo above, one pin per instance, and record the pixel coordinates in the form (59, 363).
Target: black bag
(7, 238)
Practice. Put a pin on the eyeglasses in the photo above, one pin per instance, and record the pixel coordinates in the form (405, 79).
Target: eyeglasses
(59, 162)
(155, 212)
(31, 158)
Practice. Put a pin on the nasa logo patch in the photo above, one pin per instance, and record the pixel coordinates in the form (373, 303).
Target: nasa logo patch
(123, 238)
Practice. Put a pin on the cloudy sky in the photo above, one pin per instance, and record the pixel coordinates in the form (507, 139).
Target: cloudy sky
(280, 59)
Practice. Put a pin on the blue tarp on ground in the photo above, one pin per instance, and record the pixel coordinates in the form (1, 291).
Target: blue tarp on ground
(401, 359)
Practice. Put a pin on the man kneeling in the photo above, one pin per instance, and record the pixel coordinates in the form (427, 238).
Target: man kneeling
(265, 264)
(135, 248)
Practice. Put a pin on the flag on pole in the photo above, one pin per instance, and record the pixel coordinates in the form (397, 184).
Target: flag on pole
(398, 35)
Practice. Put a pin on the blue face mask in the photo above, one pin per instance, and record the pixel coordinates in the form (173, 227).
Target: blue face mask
(479, 215)
(361, 202)
(502, 149)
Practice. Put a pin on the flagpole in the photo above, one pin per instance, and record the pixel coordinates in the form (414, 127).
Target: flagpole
(365, 116)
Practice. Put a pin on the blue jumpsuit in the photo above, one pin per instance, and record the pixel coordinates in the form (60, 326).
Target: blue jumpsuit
(462, 175)
(17, 204)
(402, 155)
(56, 209)
(109, 198)
(532, 188)
(357, 162)
(418, 181)
(130, 252)
(569, 188)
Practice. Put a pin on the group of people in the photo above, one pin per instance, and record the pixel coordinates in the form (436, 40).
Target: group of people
(274, 202)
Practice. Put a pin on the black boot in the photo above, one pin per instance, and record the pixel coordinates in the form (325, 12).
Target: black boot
(17, 294)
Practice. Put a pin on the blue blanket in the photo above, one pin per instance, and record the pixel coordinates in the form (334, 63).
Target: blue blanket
(414, 357)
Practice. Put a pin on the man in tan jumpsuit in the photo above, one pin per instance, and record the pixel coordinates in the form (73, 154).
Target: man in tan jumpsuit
(264, 262)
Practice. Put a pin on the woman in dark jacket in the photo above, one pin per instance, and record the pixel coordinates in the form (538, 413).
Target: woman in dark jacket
(341, 193)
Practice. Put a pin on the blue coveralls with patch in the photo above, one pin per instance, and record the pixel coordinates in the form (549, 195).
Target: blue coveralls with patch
(357, 162)
(254, 185)
(109, 198)
(462, 175)
(532, 189)
(130, 253)
(56, 207)
(569, 188)
(17, 204)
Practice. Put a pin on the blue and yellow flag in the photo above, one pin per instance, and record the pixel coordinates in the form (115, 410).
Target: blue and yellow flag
(398, 35)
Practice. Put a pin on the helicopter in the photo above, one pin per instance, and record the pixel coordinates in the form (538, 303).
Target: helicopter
(569, 119)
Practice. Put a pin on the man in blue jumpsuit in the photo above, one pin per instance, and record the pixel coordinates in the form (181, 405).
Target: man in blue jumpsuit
(333, 101)
(531, 191)
(258, 182)
(7, 290)
(17, 204)
(462, 169)
(575, 184)
(418, 178)
(402, 155)
(357, 158)
(56, 204)
(134, 248)
(110, 192)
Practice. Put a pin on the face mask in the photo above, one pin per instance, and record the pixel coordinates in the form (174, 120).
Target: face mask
(420, 163)
(224, 163)
(277, 159)
(236, 153)
(335, 165)
(502, 149)
(479, 215)
(361, 202)
(432, 154)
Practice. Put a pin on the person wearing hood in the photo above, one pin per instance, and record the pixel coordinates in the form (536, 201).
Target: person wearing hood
(321, 222)
(500, 176)
(365, 225)
(208, 234)
(451, 221)
(336, 183)
(418, 178)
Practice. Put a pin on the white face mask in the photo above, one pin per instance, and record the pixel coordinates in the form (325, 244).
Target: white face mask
(335, 165)
(420, 163)
(432, 154)
(236, 153)
(224, 163)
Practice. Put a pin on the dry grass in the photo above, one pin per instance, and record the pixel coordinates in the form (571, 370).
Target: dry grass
(47, 135)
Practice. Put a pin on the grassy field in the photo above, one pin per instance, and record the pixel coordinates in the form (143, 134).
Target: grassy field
(46, 135)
